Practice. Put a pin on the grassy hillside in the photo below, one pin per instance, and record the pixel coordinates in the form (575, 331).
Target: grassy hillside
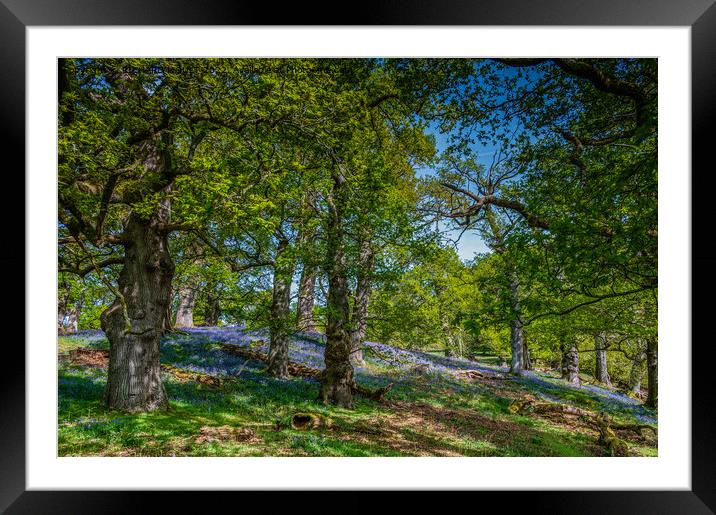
(224, 405)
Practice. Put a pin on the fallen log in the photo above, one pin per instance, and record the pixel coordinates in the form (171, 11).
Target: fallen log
(477, 374)
(190, 375)
(392, 360)
(377, 395)
(100, 358)
(300, 370)
(303, 421)
(529, 406)
(295, 369)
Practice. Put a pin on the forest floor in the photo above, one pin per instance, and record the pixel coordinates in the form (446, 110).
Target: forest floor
(223, 404)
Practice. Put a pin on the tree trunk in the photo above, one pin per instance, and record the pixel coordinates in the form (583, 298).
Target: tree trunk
(570, 363)
(213, 308)
(601, 373)
(516, 332)
(134, 322)
(167, 325)
(73, 318)
(636, 373)
(306, 297)
(517, 337)
(337, 377)
(185, 309)
(305, 319)
(68, 317)
(652, 373)
(526, 360)
(448, 341)
(279, 324)
(362, 299)
(62, 313)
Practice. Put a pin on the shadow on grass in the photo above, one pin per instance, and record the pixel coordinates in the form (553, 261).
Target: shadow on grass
(427, 414)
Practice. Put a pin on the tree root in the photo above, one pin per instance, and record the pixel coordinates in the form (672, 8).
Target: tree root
(637, 428)
(601, 422)
(607, 437)
(374, 394)
(295, 369)
(100, 358)
(189, 375)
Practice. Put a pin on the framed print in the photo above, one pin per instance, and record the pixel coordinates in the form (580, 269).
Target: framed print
(414, 250)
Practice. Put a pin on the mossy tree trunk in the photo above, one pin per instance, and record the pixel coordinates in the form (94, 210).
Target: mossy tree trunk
(280, 323)
(337, 377)
(570, 363)
(136, 320)
(517, 337)
(73, 319)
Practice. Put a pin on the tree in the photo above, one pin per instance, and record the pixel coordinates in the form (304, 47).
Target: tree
(305, 316)
(71, 298)
(131, 140)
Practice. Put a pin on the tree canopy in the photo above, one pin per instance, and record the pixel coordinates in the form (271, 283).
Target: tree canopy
(319, 194)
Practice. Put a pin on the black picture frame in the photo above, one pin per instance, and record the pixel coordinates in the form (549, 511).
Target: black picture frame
(700, 15)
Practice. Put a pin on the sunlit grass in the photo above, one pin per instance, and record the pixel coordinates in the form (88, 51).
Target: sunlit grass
(441, 415)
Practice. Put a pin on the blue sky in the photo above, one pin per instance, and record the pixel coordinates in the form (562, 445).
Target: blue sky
(470, 242)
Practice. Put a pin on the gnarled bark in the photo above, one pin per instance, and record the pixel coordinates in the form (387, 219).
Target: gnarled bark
(570, 363)
(337, 378)
(136, 320)
(134, 323)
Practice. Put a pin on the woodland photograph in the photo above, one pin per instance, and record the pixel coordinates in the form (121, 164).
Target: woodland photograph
(371, 257)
